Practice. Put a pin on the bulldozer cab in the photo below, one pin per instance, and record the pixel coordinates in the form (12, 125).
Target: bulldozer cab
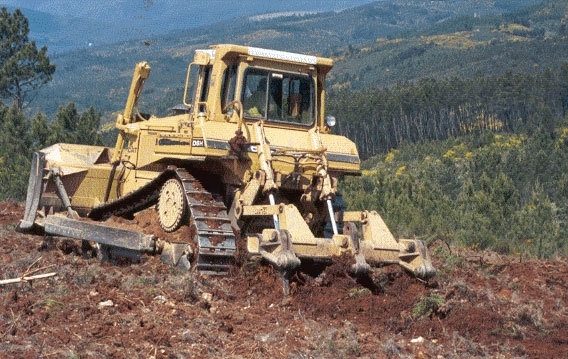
(277, 87)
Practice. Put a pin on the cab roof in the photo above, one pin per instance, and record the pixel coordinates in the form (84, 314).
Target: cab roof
(226, 50)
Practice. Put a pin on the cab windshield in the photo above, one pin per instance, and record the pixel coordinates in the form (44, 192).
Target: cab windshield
(278, 96)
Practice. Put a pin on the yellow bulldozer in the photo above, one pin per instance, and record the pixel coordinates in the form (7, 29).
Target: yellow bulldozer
(249, 158)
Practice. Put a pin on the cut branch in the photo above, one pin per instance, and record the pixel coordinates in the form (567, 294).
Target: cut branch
(26, 278)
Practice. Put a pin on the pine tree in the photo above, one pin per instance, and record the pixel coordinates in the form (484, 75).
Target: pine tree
(87, 128)
(64, 126)
(15, 154)
(23, 68)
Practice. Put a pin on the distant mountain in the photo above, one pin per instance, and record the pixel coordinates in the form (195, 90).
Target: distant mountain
(377, 44)
(64, 25)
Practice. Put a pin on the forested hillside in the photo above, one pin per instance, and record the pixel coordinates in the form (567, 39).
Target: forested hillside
(436, 109)
(499, 191)
(529, 41)
(473, 149)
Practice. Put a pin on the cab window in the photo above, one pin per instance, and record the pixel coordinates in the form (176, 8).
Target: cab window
(229, 85)
(278, 96)
(204, 91)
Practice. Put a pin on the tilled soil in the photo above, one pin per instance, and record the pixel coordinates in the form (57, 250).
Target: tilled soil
(480, 304)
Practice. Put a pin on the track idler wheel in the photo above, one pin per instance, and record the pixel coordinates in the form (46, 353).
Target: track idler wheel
(172, 206)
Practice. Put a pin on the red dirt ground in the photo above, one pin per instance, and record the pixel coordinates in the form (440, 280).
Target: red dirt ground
(480, 304)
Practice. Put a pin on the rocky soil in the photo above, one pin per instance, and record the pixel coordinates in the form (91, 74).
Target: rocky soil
(479, 305)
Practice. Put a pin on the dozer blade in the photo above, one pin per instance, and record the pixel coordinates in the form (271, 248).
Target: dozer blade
(33, 195)
(114, 242)
(101, 234)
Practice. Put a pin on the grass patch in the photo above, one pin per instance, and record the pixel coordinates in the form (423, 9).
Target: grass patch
(428, 306)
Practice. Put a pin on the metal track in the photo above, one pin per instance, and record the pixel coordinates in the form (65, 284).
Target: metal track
(213, 232)
(214, 236)
(132, 202)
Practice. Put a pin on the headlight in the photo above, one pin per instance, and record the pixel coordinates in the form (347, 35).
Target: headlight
(330, 121)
